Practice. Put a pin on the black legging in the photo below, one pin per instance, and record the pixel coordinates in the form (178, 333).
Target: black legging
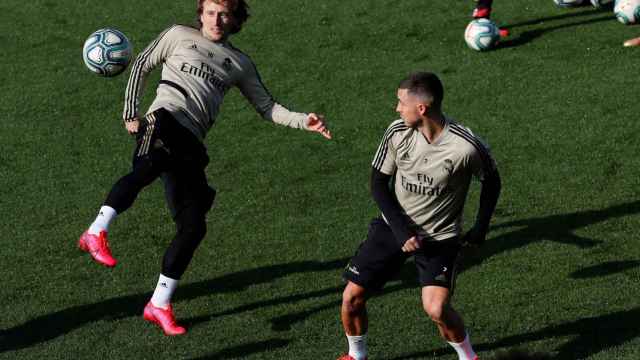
(171, 151)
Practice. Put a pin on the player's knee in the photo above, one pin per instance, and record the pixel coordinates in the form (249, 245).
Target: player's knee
(353, 302)
(434, 309)
(191, 226)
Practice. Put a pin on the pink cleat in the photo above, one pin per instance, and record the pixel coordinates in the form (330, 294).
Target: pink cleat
(163, 318)
(481, 13)
(98, 247)
(347, 357)
(503, 32)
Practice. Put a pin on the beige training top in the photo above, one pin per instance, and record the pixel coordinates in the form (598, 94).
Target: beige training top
(196, 74)
(432, 179)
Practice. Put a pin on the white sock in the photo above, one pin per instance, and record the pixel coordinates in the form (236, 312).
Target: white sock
(164, 290)
(357, 346)
(102, 221)
(464, 349)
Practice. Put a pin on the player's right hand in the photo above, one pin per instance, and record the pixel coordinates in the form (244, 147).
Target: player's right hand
(412, 244)
(132, 126)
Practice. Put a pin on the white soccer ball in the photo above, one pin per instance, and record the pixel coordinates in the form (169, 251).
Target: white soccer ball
(107, 52)
(627, 11)
(568, 3)
(482, 34)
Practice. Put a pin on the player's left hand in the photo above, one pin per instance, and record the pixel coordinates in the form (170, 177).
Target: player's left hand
(412, 244)
(315, 122)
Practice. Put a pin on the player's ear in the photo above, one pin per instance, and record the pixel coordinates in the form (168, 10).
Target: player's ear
(423, 108)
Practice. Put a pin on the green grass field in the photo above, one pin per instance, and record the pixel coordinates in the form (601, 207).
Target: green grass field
(557, 102)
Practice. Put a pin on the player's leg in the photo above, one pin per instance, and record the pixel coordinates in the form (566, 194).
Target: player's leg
(437, 263)
(482, 9)
(376, 261)
(355, 321)
(189, 198)
(148, 162)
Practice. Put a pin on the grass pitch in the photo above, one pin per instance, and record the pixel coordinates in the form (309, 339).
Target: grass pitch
(557, 102)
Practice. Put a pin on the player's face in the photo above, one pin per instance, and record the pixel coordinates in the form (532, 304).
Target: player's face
(409, 108)
(217, 20)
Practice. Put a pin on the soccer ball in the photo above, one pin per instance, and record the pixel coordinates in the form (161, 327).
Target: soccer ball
(568, 3)
(482, 34)
(627, 11)
(107, 52)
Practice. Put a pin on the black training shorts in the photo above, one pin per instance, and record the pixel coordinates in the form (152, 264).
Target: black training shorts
(379, 258)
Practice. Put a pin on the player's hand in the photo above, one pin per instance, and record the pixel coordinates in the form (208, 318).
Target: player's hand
(632, 42)
(474, 237)
(412, 244)
(132, 126)
(315, 122)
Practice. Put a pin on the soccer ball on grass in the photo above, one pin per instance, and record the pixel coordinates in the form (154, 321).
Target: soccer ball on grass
(627, 11)
(482, 34)
(107, 52)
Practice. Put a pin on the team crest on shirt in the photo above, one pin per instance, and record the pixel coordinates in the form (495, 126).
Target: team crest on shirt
(448, 166)
(210, 53)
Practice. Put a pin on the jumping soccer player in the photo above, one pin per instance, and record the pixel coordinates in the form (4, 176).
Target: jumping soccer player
(199, 66)
(431, 160)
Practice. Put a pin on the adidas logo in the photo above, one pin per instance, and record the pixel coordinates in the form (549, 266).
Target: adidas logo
(405, 157)
(164, 285)
(353, 269)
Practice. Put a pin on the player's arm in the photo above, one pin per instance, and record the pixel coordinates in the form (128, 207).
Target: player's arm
(383, 168)
(146, 61)
(390, 208)
(485, 169)
(254, 90)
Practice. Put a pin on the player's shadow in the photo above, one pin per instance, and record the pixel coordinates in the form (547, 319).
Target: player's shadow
(517, 39)
(242, 351)
(50, 326)
(556, 228)
(587, 337)
(605, 269)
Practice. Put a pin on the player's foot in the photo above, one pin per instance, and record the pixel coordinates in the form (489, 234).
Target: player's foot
(632, 42)
(481, 12)
(347, 357)
(98, 247)
(503, 32)
(163, 318)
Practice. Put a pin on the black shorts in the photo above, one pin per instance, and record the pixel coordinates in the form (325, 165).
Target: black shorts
(379, 259)
(178, 157)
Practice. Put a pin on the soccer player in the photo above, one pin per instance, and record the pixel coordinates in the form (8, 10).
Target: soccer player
(632, 42)
(420, 177)
(199, 66)
(483, 11)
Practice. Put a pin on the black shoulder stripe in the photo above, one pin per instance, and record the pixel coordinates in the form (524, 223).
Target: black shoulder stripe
(381, 154)
(134, 78)
(482, 150)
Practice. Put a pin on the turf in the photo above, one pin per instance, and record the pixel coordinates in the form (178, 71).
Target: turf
(557, 102)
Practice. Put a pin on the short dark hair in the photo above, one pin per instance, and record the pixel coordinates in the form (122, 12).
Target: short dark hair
(424, 84)
(240, 12)
(518, 354)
